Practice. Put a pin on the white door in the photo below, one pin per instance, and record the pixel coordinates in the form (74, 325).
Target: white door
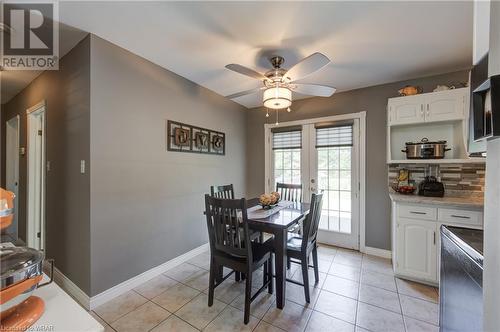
(12, 168)
(334, 171)
(446, 105)
(406, 110)
(323, 157)
(416, 248)
(36, 177)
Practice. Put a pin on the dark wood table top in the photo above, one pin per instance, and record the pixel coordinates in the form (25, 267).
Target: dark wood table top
(283, 218)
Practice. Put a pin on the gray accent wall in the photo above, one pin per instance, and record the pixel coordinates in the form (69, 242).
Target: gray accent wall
(67, 95)
(147, 203)
(373, 100)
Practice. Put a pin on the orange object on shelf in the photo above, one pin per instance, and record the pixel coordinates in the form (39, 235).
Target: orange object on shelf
(6, 208)
(23, 315)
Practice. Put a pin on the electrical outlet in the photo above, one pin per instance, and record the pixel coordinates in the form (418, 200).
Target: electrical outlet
(82, 166)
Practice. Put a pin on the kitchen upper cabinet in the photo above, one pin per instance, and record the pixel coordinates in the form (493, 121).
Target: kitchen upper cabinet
(406, 110)
(429, 107)
(446, 105)
(416, 249)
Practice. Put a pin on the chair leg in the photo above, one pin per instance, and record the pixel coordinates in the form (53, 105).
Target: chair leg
(211, 282)
(220, 272)
(270, 274)
(236, 276)
(261, 237)
(265, 275)
(315, 261)
(305, 278)
(288, 263)
(248, 296)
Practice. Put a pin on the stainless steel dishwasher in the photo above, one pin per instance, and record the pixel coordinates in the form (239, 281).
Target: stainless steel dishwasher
(461, 281)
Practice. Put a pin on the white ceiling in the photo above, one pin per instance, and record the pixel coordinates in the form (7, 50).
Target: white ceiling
(369, 43)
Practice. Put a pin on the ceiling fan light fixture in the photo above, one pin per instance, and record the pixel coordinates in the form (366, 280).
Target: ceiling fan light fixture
(277, 98)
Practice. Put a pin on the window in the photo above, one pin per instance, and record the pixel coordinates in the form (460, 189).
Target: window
(334, 146)
(287, 146)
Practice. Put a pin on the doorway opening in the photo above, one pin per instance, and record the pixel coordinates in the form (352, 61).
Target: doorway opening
(36, 177)
(324, 155)
(12, 171)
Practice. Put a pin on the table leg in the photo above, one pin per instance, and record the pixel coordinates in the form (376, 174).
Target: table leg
(280, 267)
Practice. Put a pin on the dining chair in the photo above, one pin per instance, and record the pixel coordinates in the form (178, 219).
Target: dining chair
(300, 248)
(289, 192)
(293, 193)
(225, 191)
(230, 246)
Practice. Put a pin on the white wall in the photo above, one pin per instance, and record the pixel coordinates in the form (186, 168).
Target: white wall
(481, 35)
(491, 277)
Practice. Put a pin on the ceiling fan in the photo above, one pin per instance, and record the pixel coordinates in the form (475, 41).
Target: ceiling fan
(279, 83)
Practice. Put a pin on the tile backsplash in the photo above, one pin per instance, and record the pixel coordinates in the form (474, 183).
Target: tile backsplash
(455, 177)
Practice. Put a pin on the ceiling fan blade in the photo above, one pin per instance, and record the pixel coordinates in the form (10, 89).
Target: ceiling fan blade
(246, 71)
(306, 67)
(314, 89)
(244, 93)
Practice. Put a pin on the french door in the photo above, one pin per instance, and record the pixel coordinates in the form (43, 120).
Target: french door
(324, 157)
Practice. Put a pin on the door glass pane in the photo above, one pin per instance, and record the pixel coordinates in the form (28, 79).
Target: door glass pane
(334, 179)
(287, 166)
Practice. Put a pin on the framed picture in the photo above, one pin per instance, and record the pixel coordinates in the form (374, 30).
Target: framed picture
(182, 137)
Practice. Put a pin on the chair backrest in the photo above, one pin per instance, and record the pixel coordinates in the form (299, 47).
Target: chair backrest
(227, 226)
(226, 191)
(311, 223)
(289, 192)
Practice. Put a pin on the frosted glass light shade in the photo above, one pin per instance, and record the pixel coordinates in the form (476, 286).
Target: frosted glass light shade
(277, 98)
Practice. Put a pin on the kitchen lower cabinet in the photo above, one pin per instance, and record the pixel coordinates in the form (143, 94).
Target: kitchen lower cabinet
(416, 249)
(415, 237)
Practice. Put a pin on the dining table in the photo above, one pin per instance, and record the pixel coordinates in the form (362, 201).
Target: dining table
(277, 221)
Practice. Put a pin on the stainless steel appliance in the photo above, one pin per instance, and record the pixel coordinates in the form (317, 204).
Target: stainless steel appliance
(461, 280)
(486, 109)
(425, 149)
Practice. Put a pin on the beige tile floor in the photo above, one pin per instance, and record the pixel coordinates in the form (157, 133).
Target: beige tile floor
(356, 292)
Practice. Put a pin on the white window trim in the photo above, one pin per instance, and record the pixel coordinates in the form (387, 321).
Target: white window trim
(362, 159)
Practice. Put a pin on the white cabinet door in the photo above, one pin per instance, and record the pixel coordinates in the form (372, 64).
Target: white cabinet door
(446, 105)
(405, 110)
(416, 249)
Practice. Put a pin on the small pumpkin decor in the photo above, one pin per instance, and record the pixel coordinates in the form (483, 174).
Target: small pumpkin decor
(268, 201)
(410, 90)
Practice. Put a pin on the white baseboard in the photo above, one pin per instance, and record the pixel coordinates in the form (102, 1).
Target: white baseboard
(69, 287)
(378, 252)
(132, 283)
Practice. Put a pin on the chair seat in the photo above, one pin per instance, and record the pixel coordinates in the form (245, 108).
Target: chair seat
(260, 254)
(294, 242)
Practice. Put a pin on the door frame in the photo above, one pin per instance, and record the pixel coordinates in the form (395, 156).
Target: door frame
(31, 227)
(15, 156)
(361, 116)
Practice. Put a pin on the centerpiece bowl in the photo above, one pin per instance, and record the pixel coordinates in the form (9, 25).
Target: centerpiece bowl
(268, 201)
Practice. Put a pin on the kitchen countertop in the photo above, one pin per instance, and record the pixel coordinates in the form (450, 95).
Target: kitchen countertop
(470, 202)
(62, 313)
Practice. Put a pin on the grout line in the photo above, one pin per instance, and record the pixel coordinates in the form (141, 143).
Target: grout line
(103, 320)
(400, 305)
